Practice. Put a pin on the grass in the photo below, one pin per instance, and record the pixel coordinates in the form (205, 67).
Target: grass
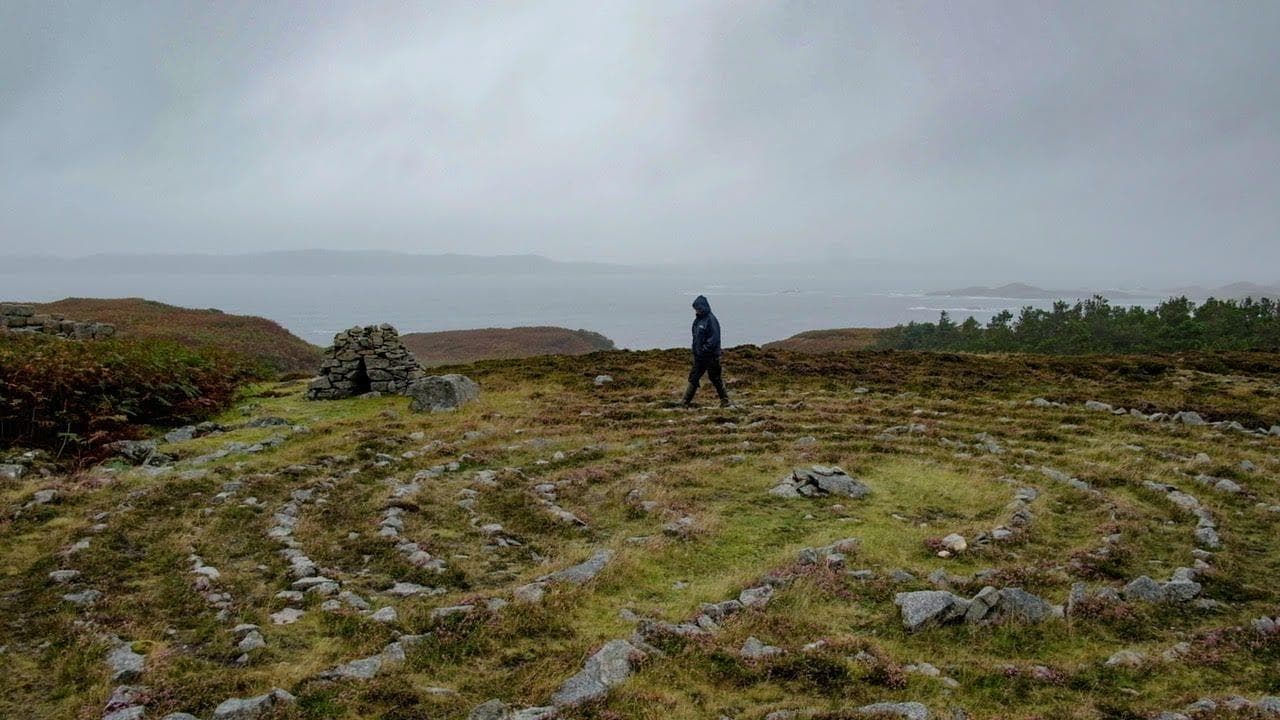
(715, 466)
(826, 341)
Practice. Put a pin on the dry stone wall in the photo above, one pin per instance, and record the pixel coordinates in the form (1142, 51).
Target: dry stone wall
(365, 359)
(24, 319)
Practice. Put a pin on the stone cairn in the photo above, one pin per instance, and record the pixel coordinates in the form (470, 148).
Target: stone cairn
(24, 319)
(365, 359)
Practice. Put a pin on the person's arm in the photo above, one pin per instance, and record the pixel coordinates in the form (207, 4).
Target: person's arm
(712, 340)
(699, 337)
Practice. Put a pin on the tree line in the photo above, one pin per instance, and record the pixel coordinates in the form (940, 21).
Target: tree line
(1097, 326)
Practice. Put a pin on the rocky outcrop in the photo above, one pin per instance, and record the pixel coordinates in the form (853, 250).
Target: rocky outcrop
(924, 608)
(252, 708)
(583, 571)
(362, 360)
(24, 319)
(820, 481)
(609, 666)
(1181, 588)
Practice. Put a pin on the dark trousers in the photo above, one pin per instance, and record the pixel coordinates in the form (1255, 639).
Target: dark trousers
(709, 364)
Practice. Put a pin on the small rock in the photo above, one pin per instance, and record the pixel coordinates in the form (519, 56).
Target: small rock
(923, 607)
(287, 616)
(12, 472)
(84, 598)
(253, 707)
(384, 615)
(608, 667)
(1126, 658)
(1019, 605)
(1208, 537)
(756, 596)
(126, 665)
(451, 610)
(44, 497)
(905, 710)
(1187, 417)
(252, 641)
(754, 649)
(407, 589)
(362, 669)
(583, 571)
(530, 593)
(954, 543)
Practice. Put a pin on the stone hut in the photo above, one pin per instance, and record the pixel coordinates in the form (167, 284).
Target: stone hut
(365, 359)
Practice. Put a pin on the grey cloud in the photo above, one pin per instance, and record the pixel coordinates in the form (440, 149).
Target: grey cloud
(1094, 137)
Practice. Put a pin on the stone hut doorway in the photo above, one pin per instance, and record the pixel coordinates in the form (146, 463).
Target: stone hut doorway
(360, 380)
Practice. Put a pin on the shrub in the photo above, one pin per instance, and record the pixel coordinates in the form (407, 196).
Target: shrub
(74, 397)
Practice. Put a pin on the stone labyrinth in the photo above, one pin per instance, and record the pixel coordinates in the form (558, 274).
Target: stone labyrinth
(867, 535)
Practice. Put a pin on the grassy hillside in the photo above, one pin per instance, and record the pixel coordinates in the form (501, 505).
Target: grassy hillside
(255, 337)
(464, 346)
(825, 341)
(546, 469)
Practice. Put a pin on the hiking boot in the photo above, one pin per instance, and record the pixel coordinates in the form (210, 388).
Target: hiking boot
(689, 390)
(723, 393)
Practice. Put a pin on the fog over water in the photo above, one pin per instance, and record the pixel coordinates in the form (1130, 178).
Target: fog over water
(636, 309)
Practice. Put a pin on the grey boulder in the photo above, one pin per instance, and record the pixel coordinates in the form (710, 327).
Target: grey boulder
(1021, 606)
(1144, 589)
(439, 393)
(584, 571)
(925, 607)
(754, 649)
(252, 708)
(608, 667)
(125, 664)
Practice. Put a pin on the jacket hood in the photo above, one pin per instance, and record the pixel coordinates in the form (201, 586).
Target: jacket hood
(701, 305)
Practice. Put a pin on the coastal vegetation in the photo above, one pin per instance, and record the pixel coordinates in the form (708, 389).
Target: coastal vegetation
(1097, 326)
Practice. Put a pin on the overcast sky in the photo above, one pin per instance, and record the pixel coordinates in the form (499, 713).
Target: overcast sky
(1103, 135)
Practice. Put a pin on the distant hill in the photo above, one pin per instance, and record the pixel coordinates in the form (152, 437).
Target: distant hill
(1023, 291)
(823, 341)
(462, 346)
(1011, 290)
(255, 337)
(1236, 290)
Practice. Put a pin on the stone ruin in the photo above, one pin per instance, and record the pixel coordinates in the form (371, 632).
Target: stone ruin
(24, 319)
(365, 359)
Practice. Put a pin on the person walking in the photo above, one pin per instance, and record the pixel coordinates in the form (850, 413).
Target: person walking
(706, 353)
